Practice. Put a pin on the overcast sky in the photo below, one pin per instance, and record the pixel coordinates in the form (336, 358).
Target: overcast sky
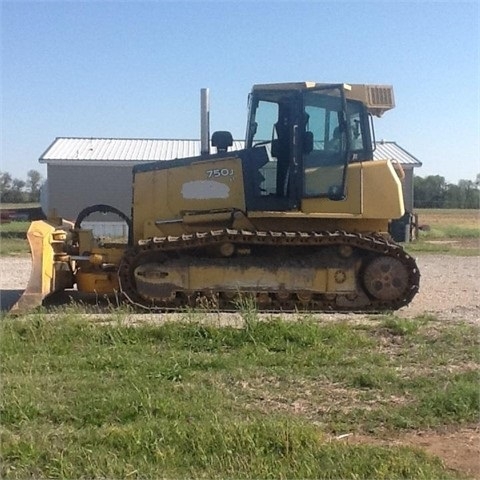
(135, 69)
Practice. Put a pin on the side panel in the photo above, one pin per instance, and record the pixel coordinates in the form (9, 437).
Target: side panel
(374, 191)
(353, 202)
(163, 196)
(382, 191)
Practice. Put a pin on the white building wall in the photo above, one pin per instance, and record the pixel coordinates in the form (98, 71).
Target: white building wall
(73, 188)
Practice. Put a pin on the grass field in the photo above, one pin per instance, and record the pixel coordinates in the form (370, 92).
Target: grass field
(13, 239)
(94, 398)
(444, 219)
(15, 206)
(84, 398)
(452, 231)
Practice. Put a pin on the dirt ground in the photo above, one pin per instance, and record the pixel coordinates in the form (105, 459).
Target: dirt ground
(458, 448)
(449, 289)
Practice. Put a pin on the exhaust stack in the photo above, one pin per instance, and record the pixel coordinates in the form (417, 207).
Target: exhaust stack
(205, 121)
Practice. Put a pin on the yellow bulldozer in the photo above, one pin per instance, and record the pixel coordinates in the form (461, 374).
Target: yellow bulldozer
(297, 220)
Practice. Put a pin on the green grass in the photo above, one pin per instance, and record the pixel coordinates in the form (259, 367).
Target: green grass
(85, 398)
(13, 238)
(450, 231)
(441, 245)
(443, 248)
(18, 206)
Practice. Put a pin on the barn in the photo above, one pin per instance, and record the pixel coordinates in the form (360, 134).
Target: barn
(86, 171)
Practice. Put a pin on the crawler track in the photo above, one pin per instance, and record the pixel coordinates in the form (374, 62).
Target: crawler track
(187, 247)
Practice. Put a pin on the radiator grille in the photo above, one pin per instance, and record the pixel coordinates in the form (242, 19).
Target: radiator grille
(380, 96)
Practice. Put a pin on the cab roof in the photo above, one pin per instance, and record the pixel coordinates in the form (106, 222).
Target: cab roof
(377, 98)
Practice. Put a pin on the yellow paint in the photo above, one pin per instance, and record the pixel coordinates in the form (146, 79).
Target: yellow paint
(351, 206)
(102, 283)
(91, 278)
(382, 190)
(50, 266)
(169, 194)
(374, 191)
(374, 196)
(234, 278)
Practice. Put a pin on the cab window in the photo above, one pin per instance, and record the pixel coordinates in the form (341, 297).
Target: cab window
(324, 165)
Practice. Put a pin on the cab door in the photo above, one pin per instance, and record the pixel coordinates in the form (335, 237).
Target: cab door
(326, 146)
(273, 152)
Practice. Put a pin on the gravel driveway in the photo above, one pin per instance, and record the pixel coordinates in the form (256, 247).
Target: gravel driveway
(449, 286)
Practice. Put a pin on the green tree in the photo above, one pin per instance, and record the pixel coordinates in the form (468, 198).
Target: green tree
(434, 192)
(470, 194)
(430, 192)
(15, 190)
(34, 180)
(454, 197)
(5, 185)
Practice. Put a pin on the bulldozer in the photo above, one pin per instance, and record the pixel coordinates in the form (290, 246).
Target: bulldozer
(298, 220)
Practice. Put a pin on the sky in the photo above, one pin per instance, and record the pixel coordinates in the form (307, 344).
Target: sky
(135, 69)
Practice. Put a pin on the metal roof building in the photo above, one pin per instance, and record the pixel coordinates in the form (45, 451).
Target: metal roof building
(393, 151)
(117, 151)
(121, 150)
(87, 171)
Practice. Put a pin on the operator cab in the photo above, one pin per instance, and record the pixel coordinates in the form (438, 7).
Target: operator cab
(309, 133)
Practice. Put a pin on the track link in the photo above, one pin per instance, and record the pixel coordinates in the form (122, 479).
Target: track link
(160, 248)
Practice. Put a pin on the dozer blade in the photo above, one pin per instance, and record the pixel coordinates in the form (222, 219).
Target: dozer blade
(51, 269)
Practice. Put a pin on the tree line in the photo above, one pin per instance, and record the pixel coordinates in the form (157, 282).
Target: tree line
(15, 190)
(435, 192)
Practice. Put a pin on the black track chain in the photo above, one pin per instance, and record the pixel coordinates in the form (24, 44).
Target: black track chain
(164, 247)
